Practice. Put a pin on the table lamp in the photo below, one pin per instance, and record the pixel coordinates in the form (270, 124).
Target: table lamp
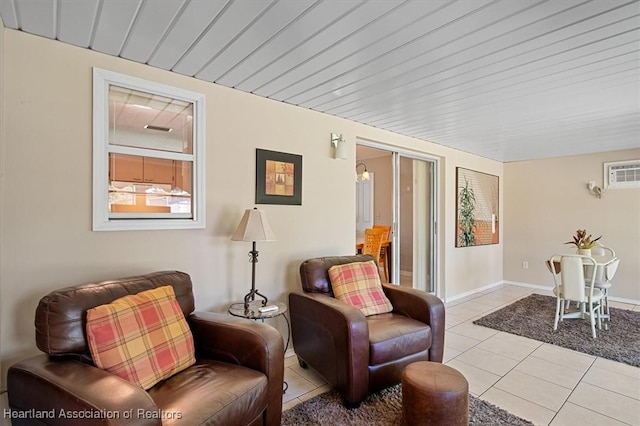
(253, 227)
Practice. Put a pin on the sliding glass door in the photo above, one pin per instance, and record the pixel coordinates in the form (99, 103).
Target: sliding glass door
(415, 222)
(404, 197)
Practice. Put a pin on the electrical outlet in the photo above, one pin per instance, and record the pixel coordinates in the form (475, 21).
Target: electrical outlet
(525, 265)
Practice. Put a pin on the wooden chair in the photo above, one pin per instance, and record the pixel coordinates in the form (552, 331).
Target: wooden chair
(383, 251)
(373, 242)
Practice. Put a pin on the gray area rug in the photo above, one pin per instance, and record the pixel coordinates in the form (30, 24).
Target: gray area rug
(533, 316)
(383, 408)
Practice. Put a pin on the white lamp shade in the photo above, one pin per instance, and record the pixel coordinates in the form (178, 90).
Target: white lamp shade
(254, 226)
(341, 150)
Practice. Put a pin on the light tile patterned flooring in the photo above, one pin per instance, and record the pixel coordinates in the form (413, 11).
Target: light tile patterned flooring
(543, 383)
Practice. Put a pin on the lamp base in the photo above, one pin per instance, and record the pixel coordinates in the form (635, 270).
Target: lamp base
(251, 296)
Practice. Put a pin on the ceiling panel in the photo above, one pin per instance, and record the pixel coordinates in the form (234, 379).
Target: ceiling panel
(76, 21)
(397, 49)
(512, 83)
(503, 79)
(152, 22)
(288, 71)
(385, 33)
(37, 17)
(416, 54)
(471, 65)
(465, 54)
(115, 19)
(231, 22)
(193, 22)
(312, 21)
(8, 14)
(274, 20)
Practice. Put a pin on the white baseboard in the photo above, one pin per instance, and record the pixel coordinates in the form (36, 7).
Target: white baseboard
(290, 352)
(623, 300)
(550, 288)
(535, 286)
(469, 293)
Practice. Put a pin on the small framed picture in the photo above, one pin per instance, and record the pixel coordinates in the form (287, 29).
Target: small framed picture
(278, 178)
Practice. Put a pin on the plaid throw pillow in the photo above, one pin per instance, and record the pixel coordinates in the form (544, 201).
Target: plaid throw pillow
(358, 284)
(143, 338)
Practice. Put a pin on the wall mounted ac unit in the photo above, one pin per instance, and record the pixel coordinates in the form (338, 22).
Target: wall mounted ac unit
(622, 174)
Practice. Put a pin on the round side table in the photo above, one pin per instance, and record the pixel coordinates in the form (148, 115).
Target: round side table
(253, 312)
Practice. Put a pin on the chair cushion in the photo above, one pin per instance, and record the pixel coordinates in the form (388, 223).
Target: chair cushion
(358, 284)
(143, 338)
(394, 336)
(212, 392)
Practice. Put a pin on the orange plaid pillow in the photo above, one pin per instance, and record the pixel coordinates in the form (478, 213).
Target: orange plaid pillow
(143, 338)
(358, 284)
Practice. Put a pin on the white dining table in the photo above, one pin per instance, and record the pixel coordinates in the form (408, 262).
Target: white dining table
(601, 263)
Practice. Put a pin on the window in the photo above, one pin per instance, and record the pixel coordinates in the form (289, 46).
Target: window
(148, 154)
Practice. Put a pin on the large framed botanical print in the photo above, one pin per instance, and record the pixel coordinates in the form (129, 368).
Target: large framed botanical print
(477, 201)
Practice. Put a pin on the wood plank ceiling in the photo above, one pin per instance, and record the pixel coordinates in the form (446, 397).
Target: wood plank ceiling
(508, 80)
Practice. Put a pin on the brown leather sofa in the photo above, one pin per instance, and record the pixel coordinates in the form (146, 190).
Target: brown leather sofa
(358, 355)
(237, 378)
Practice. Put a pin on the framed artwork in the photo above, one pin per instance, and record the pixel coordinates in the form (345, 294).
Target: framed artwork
(477, 201)
(278, 178)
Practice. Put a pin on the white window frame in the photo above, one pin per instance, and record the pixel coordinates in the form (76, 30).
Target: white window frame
(102, 221)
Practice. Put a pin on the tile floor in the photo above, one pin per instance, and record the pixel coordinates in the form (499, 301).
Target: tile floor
(543, 383)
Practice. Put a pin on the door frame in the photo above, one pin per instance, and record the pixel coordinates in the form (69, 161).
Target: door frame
(396, 153)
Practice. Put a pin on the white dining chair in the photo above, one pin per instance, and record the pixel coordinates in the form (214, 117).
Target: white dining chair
(601, 250)
(554, 268)
(604, 274)
(570, 285)
(604, 284)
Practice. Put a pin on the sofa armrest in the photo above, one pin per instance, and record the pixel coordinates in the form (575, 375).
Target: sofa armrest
(423, 307)
(243, 342)
(333, 338)
(66, 388)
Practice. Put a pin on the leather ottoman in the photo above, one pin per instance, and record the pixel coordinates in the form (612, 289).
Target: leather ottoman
(434, 394)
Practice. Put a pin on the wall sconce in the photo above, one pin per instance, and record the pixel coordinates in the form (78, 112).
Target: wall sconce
(595, 190)
(365, 173)
(339, 146)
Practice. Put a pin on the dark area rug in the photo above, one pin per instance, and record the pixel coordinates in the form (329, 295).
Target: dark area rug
(533, 316)
(383, 408)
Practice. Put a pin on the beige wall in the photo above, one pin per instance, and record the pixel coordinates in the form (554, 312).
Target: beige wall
(548, 200)
(47, 240)
(467, 269)
(2, 157)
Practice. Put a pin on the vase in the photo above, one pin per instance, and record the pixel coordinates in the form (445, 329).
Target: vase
(584, 252)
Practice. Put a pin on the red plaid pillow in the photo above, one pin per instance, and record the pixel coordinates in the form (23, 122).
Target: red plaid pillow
(358, 284)
(143, 338)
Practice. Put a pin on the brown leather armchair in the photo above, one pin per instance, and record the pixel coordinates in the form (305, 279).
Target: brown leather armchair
(358, 355)
(237, 378)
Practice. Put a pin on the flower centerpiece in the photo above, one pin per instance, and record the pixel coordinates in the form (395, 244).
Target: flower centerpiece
(583, 242)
